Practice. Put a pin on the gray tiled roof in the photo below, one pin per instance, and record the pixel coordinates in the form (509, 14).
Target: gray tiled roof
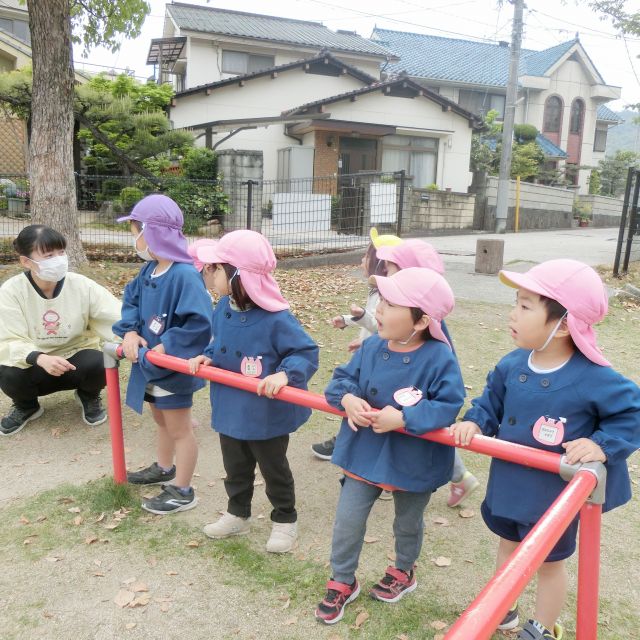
(270, 28)
(604, 113)
(463, 61)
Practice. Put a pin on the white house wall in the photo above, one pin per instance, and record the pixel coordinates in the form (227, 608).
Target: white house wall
(420, 113)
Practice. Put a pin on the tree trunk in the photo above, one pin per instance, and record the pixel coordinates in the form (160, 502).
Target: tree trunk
(53, 191)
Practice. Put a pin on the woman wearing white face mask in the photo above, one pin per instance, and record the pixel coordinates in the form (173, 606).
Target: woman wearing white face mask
(52, 325)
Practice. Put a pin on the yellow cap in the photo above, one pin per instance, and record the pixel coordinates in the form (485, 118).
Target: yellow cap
(386, 240)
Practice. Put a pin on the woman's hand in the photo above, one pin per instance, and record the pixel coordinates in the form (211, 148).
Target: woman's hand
(463, 432)
(271, 385)
(355, 409)
(197, 362)
(387, 419)
(130, 345)
(54, 365)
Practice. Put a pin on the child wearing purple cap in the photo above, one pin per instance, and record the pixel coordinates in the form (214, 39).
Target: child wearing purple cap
(256, 335)
(555, 392)
(165, 308)
(409, 373)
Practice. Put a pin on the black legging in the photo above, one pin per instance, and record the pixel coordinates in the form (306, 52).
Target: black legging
(24, 386)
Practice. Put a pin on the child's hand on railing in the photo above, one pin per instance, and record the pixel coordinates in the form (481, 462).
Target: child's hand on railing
(130, 345)
(270, 385)
(583, 450)
(355, 407)
(463, 432)
(197, 362)
(387, 419)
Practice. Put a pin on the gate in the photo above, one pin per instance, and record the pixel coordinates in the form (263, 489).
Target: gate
(628, 247)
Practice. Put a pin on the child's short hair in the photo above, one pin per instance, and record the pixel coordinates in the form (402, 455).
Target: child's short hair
(555, 310)
(374, 266)
(238, 293)
(39, 237)
(416, 314)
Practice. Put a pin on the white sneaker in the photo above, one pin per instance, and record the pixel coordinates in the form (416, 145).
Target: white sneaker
(283, 537)
(228, 525)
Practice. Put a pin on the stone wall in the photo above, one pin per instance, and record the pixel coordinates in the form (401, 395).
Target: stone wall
(440, 210)
(237, 167)
(605, 212)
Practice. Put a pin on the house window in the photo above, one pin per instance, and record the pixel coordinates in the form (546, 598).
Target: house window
(600, 140)
(552, 115)
(240, 63)
(417, 156)
(19, 28)
(577, 116)
(481, 102)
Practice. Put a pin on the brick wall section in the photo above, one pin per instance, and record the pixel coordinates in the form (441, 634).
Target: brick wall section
(325, 162)
(13, 147)
(439, 210)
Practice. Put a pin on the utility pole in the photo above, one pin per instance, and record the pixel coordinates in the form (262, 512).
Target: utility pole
(502, 202)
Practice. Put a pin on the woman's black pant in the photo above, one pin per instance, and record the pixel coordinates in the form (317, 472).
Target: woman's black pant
(24, 386)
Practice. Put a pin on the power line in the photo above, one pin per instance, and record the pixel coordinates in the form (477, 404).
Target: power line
(635, 73)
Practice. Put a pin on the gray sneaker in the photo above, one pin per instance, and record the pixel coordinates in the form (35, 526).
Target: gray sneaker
(153, 474)
(17, 419)
(170, 500)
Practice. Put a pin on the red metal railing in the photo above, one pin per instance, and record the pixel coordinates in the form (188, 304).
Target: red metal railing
(482, 617)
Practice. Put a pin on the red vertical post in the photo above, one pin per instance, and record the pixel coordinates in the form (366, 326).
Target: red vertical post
(114, 410)
(588, 571)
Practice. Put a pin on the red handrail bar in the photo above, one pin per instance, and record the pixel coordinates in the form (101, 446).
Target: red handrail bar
(483, 615)
(527, 456)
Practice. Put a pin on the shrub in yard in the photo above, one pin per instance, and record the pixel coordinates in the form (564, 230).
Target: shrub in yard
(129, 197)
(524, 133)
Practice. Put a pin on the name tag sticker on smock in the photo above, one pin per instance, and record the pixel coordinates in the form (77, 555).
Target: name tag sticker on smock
(408, 396)
(156, 324)
(251, 367)
(549, 431)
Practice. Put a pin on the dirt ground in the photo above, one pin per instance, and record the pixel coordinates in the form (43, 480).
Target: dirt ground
(56, 589)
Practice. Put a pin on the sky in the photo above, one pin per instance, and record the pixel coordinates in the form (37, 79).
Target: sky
(547, 23)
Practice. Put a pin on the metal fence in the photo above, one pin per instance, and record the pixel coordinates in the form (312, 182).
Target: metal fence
(299, 216)
(628, 248)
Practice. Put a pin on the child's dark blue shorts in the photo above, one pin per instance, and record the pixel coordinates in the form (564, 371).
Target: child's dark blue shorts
(516, 532)
(174, 401)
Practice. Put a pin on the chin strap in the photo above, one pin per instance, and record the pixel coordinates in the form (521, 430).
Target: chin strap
(552, 334)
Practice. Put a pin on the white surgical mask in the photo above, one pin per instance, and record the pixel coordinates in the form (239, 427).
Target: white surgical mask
(144, 254)
(52, 269)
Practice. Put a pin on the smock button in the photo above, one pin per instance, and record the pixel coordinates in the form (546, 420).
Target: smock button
(512, 420)
(153, 285)
(223, 349)
(522, 377)
(238, 354)
(373, 391)
(385, 356)
(243, 318)
(406, 359)
(544, 382)
(227, 315)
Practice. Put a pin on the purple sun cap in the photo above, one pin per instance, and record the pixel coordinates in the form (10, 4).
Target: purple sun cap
(162, 220)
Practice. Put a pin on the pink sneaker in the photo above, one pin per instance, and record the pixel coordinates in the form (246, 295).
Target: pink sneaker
(460, 491)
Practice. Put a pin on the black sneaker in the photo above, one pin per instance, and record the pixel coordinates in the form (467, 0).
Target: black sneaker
(93, 412)
(324, 450)
(153, 474)
(170, 500)
(17, 418)
(511, 620)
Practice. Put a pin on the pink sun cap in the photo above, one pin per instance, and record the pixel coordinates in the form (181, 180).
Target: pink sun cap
(578, 288)
(192, 250)
(162, 227)
(251, 254)
(423, 289)
(412, 253)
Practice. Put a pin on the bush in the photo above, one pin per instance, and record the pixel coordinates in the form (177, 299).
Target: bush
(200, 164)
(110, 190)
(199, 201)
(130, 196)
(595, 183)
(524, 133)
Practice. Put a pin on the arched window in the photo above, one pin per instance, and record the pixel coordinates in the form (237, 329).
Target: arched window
(552, 114)
(577, 116)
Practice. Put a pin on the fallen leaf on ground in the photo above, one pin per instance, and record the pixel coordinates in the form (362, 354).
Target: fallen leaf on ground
(172, 573)
(438, 625)
(193, 544)
(164, 607)
(90, 539)
(402, 636)
(53, 559)
(47, 614)
(41, 518)
(112, 525)
(131, 625)
(286, 604)
(24, 520)
(391, 556)
(442, 561)
(139, 587)
(290, 621)
(466, 513)
(98, 574)
(361, 618)
(140, 601)
(73, 509)
(124, 597)
(441, 521)
(78, 520)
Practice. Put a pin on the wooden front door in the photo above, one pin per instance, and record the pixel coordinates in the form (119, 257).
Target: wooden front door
(357, 154)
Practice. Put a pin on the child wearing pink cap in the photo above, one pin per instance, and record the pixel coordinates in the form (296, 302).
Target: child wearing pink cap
(165, 308)
(254, 334)
(410, 374)
(418, 253)
(555, 392)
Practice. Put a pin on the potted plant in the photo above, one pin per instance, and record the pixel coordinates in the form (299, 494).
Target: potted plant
(581, 212)
(17, 204)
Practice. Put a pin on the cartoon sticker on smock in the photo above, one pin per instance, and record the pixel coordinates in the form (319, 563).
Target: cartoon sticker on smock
(408, 396)
(251, 366)
(156, 324)
(549, 431)
(51, 322)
